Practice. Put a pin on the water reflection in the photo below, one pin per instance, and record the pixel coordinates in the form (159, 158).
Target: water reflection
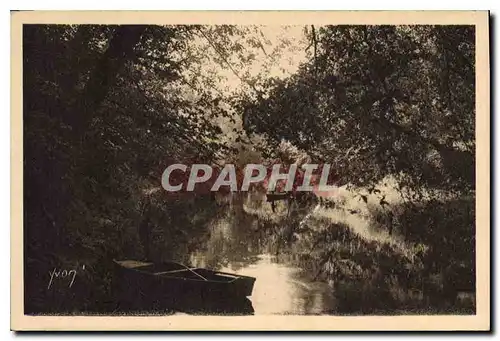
(282, 288)
(285, 282)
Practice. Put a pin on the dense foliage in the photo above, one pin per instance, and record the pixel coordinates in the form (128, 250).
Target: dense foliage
(107, 107)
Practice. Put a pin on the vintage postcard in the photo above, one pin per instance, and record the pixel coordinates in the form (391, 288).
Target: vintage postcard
(250, 171)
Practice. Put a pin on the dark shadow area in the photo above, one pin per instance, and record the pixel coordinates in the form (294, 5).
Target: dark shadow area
(107, 107)
(186, 304)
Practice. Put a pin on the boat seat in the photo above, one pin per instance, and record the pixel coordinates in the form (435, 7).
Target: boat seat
(173, 271)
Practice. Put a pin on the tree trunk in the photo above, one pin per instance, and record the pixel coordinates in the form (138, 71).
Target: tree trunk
(104, 75)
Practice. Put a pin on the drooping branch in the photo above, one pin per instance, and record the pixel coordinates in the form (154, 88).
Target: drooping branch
(219, 52)
(315, 46)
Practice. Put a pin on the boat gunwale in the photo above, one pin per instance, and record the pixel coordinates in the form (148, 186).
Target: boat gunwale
(137, 269)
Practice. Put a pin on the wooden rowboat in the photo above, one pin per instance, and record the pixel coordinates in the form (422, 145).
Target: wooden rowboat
(172, 279)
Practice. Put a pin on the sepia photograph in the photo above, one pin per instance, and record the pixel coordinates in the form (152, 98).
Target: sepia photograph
(256, 168)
